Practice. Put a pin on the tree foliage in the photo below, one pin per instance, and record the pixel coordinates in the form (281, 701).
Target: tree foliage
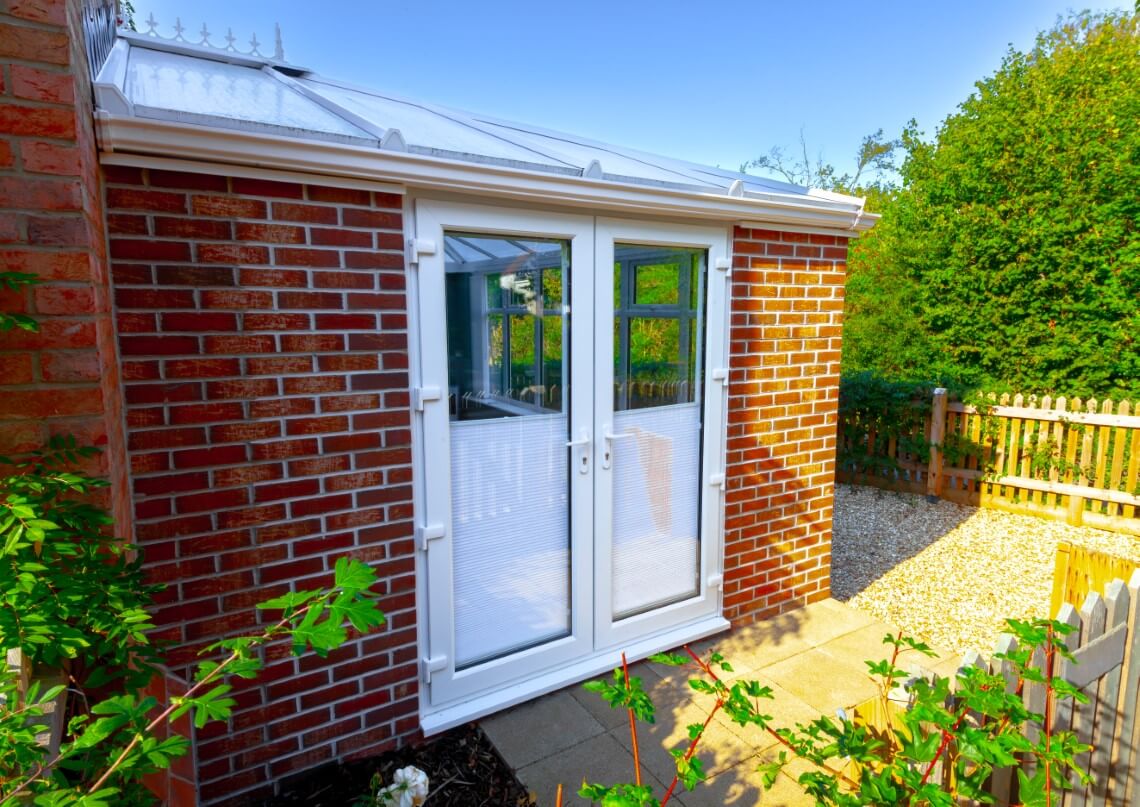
(1010, 257)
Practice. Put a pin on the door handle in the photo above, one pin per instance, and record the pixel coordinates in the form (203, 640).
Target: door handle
(608, 448)
(582, 443)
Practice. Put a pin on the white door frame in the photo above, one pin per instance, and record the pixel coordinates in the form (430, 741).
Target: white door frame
(449, 697)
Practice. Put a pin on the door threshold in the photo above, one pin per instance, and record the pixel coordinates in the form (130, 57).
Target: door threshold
(441, 719)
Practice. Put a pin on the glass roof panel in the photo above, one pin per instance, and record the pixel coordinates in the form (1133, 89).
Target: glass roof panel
(187, 84)
(423, 127)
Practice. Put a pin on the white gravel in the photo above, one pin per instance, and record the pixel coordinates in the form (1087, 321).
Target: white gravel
(946, 573)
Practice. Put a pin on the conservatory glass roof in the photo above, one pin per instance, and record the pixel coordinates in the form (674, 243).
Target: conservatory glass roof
(148, 77)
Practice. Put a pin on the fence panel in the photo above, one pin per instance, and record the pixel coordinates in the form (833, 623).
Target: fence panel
(1076, 461)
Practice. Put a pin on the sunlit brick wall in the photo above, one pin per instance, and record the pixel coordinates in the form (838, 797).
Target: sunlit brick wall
(263, 333)
(786, 316)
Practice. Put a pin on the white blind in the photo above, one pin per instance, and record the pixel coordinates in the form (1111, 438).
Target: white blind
(656, 507)
(510, 534)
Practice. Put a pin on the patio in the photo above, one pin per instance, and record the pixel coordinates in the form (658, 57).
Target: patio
(812, 658)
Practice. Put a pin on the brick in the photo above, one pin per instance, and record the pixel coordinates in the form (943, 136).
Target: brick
(286, 490)
(158, 345)
(240, 344)
(227, 207)
(267, 187)
(206, 413)
(276, 322)
(15, 368)
(210, 229)
(50, 158)
(377, 219)
(241, 388)
(187, 180)
(373, 260)
(309, 299)
(339, 279)
(35, 121)
(212, 501)
(311, 343)
(232, 253)
(348, 196)
(199, 321)
(278, 365)
(134, 199)
(319, 425)
(275, 278)
(296, 256)
(162, 393)
(58, 231)
(34, 84)
(44, 194)
(149, 250)
(236, 299)
(309, 214)
(245, 432)
(64, 300)
(202, 368)
(281, 407)
(284, 449)
(320, 236)
(214, 455)
(269, 233)
(332, 322)
(69, 367)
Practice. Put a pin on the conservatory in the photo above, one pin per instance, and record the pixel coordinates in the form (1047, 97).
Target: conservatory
(569, 398)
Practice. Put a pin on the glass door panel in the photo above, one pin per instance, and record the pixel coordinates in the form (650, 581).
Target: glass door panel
(509, 432)
(655, 445)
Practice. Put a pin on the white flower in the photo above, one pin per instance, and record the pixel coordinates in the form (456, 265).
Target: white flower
(409, 788)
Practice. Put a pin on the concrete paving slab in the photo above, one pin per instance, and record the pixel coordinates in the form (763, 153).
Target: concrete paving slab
(599, 760)
(738, 786)
(867, 644)
(720, 747)
(823, 681)
(664, 693)
(785, 709)
(535, 730)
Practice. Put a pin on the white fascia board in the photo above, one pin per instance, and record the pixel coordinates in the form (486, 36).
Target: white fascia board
(121, 134)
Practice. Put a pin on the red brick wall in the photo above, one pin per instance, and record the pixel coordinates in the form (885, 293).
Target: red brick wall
(263, 333)
(786, 314)
(63, 379)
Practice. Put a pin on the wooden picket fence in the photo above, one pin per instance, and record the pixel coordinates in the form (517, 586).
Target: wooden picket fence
(1072, 460)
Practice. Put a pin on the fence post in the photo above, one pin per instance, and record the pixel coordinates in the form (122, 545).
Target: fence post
(937, 434)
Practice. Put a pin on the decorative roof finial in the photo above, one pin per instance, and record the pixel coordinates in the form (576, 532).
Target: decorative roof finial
(229, 47)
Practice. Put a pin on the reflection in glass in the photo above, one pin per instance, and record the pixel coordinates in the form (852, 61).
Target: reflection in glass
(510, 516)
(658, 297)
(504, 325)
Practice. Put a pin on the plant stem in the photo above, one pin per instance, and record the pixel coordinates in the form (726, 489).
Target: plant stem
(632, 726)
(210, 677)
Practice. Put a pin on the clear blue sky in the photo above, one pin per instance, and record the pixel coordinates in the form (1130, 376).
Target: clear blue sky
(714, 82)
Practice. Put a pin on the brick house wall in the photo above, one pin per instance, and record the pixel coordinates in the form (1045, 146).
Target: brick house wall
(263, 333)
(785, 331)
(63, 379)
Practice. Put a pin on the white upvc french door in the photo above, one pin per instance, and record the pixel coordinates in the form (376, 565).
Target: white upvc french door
(507, 480)
(569, 406)
(661, 291)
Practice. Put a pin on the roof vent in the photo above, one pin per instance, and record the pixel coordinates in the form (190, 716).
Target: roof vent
(593, 170)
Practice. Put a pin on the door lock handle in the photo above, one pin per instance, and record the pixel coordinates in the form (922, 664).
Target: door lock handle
(582, 443)
(608, 448)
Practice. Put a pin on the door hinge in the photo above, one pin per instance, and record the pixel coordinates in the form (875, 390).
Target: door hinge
(717, 480)
(720, 374)
(431, 664)
(715, 581)
(724, 265)
(428, 533)
(418, 247)
(421, 395)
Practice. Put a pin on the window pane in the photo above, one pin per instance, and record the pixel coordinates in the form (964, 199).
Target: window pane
(504, 325)
(657, 284)
(657, 325)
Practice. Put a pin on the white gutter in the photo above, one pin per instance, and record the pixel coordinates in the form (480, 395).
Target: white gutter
(124, 135)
